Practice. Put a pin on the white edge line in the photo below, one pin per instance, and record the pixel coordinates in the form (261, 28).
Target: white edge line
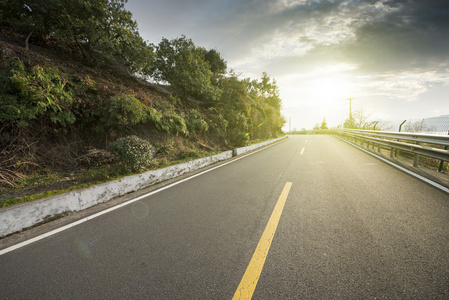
(55, 231)
(432, 183)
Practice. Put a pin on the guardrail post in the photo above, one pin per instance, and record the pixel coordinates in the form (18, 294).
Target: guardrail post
(416, 159)
(400, 127)
(440, 168)
(407, 142)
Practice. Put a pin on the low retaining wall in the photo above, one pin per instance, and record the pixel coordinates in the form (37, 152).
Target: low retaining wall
(24, 215)
(242, 150)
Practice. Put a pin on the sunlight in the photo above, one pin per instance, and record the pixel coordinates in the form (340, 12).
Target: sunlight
(321, 93)
(328, 85)
(329, 88)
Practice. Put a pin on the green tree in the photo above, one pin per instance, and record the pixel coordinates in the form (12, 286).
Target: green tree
(39, 93)
(100, 28)
(236, 104)
(30, 16)
(217, 64)
(269, 103)
(251, 107)
(183, 65)
(115, 35)
(268, 88)
(324, 124)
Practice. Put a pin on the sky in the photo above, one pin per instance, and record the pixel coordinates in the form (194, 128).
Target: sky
(391, 57)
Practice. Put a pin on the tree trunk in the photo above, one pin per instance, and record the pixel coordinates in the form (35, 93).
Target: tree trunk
(80, 47)
(27, 39)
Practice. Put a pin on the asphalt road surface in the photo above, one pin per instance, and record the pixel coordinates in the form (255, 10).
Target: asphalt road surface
(352, 228)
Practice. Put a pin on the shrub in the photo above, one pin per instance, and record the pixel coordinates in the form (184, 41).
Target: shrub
(174, 100)
(126, 110)
(168, 121)
(216, 122)
(121, 113)
(195, 123)
(133, 152)
(30, 94)
(153, 116)
(240, 139)
(174, 123)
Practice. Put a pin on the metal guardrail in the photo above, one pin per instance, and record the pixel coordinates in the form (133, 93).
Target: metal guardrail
(410, 142)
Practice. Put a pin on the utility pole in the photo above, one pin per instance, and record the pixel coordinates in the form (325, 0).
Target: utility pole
(350, 111)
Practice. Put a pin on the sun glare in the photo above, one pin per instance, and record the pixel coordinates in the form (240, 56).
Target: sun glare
(330, 84)
(327, 88)
(326, 95)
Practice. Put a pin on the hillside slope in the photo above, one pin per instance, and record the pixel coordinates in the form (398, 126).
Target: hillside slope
(59, 115)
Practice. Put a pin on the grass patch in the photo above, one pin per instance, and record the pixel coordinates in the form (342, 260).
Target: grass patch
(40, 186)
(55, 183)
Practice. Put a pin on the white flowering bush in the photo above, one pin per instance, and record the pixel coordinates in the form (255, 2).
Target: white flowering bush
(132, 152)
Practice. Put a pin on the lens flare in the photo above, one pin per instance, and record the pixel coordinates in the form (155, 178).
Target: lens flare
(139, 210)
(85, 247)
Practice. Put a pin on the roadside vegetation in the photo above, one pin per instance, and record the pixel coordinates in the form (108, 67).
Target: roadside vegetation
(84, 99)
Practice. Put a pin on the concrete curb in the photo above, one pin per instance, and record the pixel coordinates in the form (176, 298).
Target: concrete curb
(20, 216)
(242, 150)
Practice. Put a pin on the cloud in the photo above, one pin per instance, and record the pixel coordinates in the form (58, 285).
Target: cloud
(377, 35)
(395, 51)
(413, 36)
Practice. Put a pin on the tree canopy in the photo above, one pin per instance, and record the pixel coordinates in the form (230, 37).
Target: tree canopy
(324, 124)
(104, 31)
(100, 29)
(184, 65)
(252, 107)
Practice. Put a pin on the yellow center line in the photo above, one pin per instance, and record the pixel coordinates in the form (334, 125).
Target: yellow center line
(249, 281)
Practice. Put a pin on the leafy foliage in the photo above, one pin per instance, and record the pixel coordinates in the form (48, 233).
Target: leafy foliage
(44, 112)
(132, 152)
(28, 95)
(169, 122)
(324, 124)
(101, 28)
(217, 64)
(216, 121)
(174, 123)
(124, 111)
(183, 65)
(195, 123)
(251, 107)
